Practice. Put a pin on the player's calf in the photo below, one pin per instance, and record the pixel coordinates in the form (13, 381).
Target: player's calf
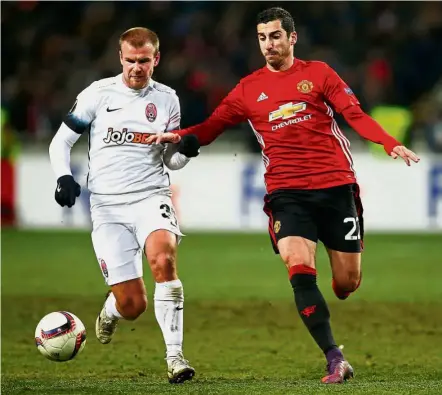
(131, 307)
(343, 287)
(346, 268)
(311, 306)
(127, 300)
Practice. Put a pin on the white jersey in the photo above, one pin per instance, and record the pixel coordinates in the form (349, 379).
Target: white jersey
(119, 120)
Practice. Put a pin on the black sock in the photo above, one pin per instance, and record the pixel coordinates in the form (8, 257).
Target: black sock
(311, 306)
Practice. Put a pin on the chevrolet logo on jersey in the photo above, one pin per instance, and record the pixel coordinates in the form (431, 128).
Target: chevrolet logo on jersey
(287, 111)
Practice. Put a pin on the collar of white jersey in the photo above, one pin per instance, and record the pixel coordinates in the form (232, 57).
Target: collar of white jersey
(142, 91)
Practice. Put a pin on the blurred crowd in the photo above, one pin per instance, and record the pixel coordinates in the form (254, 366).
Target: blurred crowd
(388, 52)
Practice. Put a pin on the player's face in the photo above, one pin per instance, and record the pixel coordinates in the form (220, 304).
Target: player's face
(138, 64)
(275, 44)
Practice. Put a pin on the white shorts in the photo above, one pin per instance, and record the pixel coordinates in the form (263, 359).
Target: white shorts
(120, 232)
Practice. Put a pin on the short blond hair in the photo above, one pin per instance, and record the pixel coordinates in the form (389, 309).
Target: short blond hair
(139, 36)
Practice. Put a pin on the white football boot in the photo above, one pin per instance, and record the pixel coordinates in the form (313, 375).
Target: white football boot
(105, 327)
(179, 370)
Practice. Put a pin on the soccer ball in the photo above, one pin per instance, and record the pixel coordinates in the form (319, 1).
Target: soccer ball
(60, 336)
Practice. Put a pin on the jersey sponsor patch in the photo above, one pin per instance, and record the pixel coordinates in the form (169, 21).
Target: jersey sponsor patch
(287, 111)
(348, 91)
(124, 136)
(286, 114)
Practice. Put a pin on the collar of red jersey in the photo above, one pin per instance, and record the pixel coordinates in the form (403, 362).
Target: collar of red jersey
(293, 67)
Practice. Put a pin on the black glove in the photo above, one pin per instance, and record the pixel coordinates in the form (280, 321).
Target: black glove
(67, 191)
(189, 146)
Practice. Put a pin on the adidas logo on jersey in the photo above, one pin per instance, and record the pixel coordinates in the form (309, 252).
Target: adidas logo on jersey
(262, 97)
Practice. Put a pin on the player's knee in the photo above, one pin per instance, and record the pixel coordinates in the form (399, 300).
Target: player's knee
(163, 266)
(297, 260)
(131, 307)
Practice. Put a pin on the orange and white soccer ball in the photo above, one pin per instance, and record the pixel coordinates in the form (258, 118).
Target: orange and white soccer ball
(60, 336)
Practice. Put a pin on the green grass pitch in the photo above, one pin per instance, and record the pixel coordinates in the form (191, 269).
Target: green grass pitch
(242, 332)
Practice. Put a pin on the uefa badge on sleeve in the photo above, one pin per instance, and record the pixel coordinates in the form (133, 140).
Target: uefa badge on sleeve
(151, 112)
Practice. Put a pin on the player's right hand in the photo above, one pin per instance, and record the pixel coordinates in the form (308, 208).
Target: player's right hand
(67, 191)
(167, 137)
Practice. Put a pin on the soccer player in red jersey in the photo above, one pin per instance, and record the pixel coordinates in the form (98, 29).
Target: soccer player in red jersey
(312, 191)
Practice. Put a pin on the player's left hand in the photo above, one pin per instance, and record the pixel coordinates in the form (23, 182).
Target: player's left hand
(405, 154)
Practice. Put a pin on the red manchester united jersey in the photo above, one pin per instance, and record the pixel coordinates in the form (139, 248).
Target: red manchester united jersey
(292, 115)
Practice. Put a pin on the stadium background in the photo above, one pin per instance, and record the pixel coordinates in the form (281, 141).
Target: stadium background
(239, 311)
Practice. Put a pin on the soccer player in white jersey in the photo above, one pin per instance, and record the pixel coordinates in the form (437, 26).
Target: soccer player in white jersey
(131, 205)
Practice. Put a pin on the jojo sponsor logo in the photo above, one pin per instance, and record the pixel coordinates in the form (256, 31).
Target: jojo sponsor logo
(124, 137)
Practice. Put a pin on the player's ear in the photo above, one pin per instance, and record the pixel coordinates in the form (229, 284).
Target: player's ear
(157, 59)
(121, 57)
(293, 38)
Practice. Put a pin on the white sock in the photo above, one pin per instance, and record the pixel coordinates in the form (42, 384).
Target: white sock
(111, 307)
(169, 300)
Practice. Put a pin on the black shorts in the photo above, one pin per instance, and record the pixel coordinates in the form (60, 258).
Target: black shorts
(331, 215)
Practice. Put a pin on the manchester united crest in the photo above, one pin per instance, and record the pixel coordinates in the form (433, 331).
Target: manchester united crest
(277, 226)
(151, 112)
(305, 86)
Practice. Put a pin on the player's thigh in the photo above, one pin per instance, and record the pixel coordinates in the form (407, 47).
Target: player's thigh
(340, 219)
(158, 233)
(117, 252)
(292, 228)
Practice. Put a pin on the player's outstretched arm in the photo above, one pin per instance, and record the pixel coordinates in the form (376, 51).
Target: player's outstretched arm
(369, 129)
(338, 93)
(230, 112)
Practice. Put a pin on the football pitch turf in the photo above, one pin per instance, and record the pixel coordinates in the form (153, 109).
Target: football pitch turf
(242, 332)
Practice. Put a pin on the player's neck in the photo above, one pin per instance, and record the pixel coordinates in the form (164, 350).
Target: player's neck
(126, 84)
(285, 65)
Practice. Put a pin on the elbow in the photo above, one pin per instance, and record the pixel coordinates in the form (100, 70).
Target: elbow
(172, 166)
(353, 113)
(176, 165)
(52, 147)
(176, 161)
